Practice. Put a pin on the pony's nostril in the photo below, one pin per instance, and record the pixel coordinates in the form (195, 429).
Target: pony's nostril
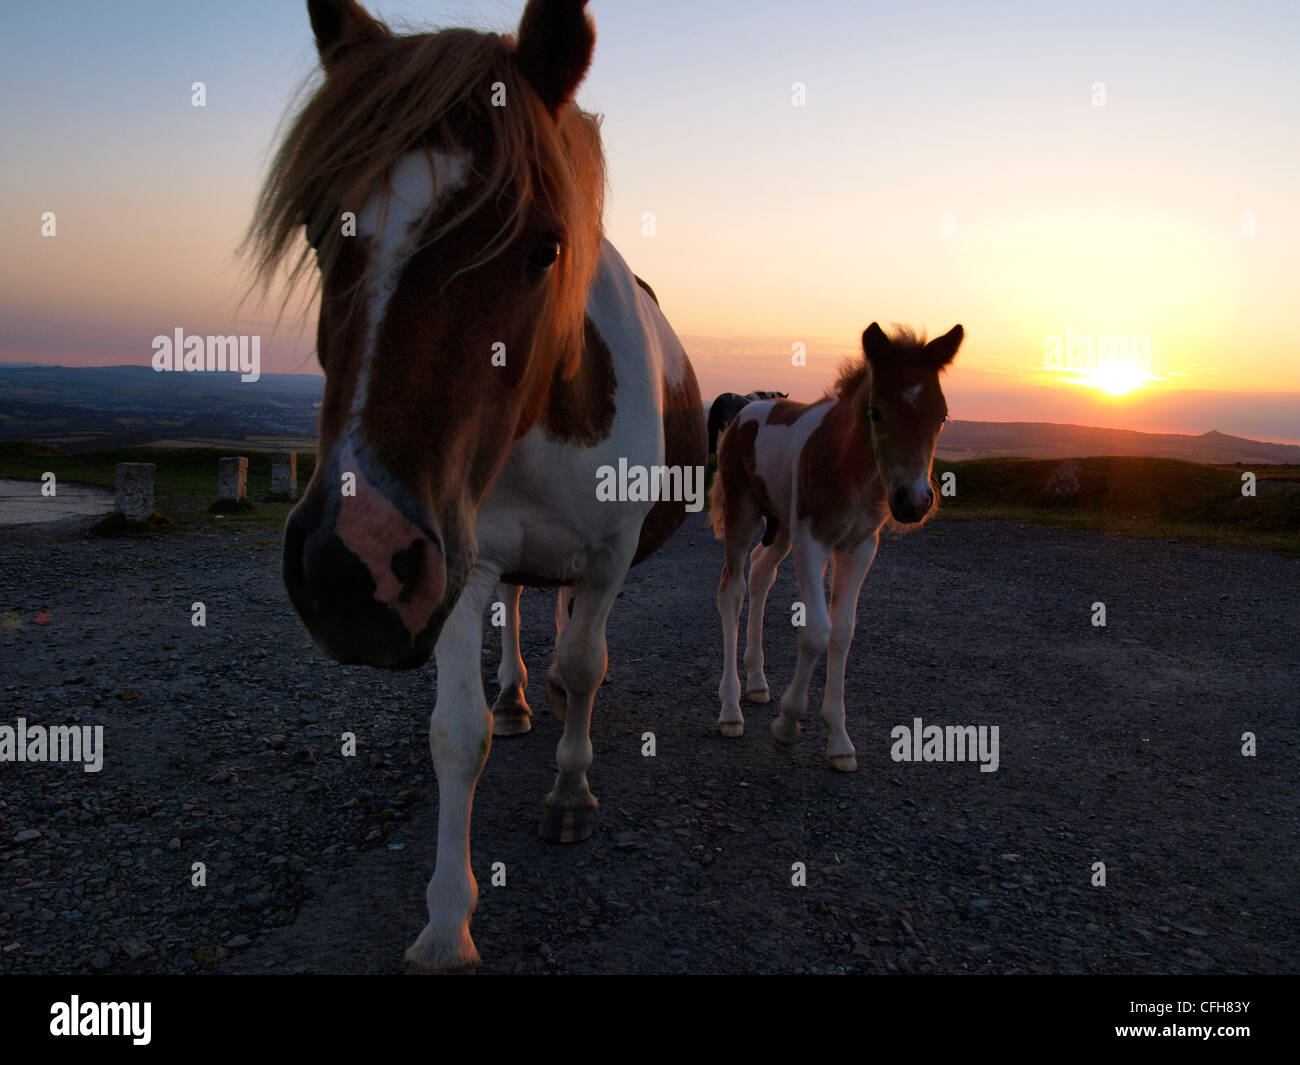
(405, 563)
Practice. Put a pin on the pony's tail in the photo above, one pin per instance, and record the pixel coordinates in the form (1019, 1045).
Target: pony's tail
(717, 493)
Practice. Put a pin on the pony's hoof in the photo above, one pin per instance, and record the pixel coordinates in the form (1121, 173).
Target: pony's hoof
(845, 763)
(731, 728)
(759, 695)
(511, 721)
(427, 957)
(567, 824)
(414, 968)
(557, 699)
(784, 736)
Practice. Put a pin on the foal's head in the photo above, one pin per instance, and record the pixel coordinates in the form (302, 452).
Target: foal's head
(900, 399)
(451, 191)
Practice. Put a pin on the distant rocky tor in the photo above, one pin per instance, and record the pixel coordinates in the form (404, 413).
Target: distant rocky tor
(1048, 440)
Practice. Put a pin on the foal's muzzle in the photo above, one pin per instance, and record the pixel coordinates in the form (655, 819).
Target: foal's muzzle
(909, 506)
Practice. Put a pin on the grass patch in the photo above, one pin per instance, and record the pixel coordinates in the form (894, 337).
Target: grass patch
(115, 525)
(185, 483)
(1145, 497)
(228, 506)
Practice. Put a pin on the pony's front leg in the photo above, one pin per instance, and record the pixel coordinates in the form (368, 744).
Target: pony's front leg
(763, 562)
(569, 811)
(460, 734)
(511, 715)
(810, 558)
(847, 573)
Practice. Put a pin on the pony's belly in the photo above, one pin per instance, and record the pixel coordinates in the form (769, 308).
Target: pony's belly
(545, 542)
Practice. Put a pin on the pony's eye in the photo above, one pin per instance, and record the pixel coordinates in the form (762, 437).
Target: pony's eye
(544, 256)
(874, 414)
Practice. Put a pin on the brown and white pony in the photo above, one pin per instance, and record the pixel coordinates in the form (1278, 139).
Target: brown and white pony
(486, 352)
(824, 477)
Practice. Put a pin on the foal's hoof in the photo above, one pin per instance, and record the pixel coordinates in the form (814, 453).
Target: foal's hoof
(557, 698)
(731, 728)
(511, 721)
(567, 824)
(845, 763)
(759, 695)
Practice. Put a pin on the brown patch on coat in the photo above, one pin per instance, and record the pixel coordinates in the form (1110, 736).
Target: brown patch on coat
(581, 408)
(736, 483)
(686, 444)
(836, 469)
(786, 412)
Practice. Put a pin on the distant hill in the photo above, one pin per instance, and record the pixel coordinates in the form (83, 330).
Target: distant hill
(1048, 440)
(82, 408)
(32, 375)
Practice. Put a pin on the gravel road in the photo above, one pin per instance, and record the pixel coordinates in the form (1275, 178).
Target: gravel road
(1120, 745)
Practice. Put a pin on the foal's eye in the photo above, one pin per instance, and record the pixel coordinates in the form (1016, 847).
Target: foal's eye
(874, 414)
(544, 256)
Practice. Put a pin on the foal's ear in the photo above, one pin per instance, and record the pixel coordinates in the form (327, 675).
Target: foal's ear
(556, 39)
(340, 25)
(942, 350)
(875, 344)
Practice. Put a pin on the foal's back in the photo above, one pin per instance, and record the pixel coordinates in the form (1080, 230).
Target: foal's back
(806, 462)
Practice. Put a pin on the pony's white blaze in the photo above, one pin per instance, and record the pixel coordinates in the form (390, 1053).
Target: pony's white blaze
(415, 185)
(912, 394)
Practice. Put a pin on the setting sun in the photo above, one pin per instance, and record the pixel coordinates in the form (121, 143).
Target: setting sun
(1113, 378)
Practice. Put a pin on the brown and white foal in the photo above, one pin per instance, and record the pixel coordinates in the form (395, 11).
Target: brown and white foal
(825, 476)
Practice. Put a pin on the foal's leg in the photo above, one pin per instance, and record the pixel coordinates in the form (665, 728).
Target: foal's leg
(569, 811)
(460, 734)
(850, 567)
(555, 698)
(743, 517)
(511, 713)
(810, 558)
(763, 563)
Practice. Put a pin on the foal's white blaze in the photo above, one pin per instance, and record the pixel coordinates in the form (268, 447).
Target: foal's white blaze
(415, 185)
(912, 394)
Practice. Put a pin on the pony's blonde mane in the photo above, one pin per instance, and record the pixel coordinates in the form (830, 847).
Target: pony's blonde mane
(393, 94)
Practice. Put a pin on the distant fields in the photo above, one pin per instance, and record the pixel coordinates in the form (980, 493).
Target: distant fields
(1155, 498)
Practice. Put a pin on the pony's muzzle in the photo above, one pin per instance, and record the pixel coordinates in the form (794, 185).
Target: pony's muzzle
(909, 506)
(366, 579)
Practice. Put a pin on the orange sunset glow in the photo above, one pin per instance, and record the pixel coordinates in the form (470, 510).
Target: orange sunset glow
(1026, 190)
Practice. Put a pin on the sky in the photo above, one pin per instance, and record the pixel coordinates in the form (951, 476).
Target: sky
(1051, 175)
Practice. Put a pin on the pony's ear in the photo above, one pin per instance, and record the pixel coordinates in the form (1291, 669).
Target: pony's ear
(942, 350)
(340, 25)
(556, 39)
(875, 344)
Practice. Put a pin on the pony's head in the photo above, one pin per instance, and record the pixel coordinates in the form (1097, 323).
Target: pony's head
(451, 194)
(900, 400)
